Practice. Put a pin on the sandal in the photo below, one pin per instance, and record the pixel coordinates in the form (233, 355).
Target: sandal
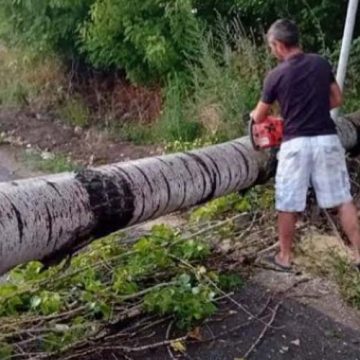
(271, 259)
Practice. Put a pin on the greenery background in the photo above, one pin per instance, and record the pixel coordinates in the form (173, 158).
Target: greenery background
(205, 59)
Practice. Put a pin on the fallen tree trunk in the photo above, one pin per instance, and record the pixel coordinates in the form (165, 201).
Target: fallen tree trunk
(49, 218)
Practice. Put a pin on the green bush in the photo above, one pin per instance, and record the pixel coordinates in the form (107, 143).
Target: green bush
(227, 84)
(45, 24)
(352, 80)
(321, 22)
(174, 123)
(209, 11)
(151, 39)
(223, 86)
(148, 38)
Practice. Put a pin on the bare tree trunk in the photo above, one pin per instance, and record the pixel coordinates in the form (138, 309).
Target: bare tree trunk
(49, 218)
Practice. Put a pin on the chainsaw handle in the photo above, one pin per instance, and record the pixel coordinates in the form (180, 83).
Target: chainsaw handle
(251, 134)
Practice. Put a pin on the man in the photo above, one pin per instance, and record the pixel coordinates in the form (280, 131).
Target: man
(311, 153)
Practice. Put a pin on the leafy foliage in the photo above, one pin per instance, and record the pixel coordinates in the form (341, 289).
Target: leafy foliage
(321, 22)
(348, 279)
(188, 302)
(174, 124)
(221, 206)
(256, 199)
(149, 39)
(181, 146)
(230, 281)
(154, 38)
(162, 273)
(47, 24)
(352, 83)
(224, 85)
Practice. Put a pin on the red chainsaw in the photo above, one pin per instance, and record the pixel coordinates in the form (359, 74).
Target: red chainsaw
(267, 134)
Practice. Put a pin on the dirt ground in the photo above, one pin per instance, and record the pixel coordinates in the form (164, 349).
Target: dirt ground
(88, 147)
(299, 332)
(298, 316)
(295, 316)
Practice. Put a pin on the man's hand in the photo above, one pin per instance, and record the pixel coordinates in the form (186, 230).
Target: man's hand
(260, 112)
(335, 96)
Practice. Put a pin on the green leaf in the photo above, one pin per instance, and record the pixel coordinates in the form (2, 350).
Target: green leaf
(35, 302)
(50, 302)
(6, 351)
(184, 279)
(230, 281)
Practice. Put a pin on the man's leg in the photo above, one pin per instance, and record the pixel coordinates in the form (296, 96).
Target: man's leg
(291, 183)
(332, 186)
(286, 229)
(350, 223)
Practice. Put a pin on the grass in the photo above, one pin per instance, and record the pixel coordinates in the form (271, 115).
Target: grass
(175, 122)
(27, 79)
(48, 162)
(139, 134)
(348, 280)
(324, 256)
(224, 86)
(75, 112)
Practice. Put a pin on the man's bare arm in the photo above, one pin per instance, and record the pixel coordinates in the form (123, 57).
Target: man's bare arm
(260, 112)
(336, 98)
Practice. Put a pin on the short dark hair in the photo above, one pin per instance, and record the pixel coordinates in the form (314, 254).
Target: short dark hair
(285, 31)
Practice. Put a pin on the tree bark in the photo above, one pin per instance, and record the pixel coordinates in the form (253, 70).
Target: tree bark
(49, 218)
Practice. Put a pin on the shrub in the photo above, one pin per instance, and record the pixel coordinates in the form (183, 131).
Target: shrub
(45, 24)
(148, 38)
(151, 39)
(352, 81)
(223, 86)
(26, 78)
(321, 22)
(176, 123)
(75, 112)
(227, 85)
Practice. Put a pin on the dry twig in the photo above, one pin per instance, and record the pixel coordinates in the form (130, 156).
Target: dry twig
(263, 332)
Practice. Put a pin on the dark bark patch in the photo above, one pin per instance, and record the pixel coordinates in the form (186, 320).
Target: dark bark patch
(49, 224)
(19, 220)
(210, 176)
(168, 190)
(53, 186)
(111, 200)
(246, 161)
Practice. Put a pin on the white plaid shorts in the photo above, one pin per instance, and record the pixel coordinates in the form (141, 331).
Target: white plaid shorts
(318, 161)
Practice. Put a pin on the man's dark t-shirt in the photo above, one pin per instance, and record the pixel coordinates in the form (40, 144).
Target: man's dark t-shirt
(301, 85)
